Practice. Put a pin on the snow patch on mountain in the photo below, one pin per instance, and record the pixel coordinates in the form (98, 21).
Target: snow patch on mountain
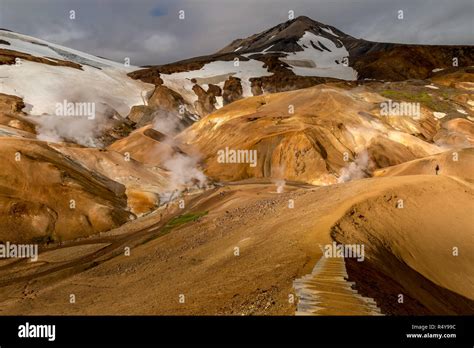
(320, 57)
(41, 48)
(215, 73)
(42, 86)
(101, 83)
(28, 47)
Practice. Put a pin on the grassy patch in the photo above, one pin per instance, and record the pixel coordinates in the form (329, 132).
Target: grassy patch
(445, 95)
(184, 219)
(176, 222)
(424, 98)
(404, 95)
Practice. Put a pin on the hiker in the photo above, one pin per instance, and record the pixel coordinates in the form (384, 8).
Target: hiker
(437, 169)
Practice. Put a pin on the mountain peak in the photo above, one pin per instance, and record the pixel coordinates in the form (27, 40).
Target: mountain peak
(301, 24)
(304, 19)
(284, 35)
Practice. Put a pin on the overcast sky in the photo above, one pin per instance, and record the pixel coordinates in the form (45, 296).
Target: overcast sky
(150, 31)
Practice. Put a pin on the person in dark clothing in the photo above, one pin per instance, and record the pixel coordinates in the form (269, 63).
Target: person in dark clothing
(437, 169)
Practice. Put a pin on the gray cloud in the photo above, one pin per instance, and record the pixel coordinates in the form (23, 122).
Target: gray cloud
(150, 32)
